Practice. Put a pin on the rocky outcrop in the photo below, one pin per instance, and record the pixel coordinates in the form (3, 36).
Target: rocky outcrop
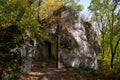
(78, 40)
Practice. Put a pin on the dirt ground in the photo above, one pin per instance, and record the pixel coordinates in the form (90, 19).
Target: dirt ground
(47, 71)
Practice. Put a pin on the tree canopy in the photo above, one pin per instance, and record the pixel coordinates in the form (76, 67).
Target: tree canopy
(105, 14)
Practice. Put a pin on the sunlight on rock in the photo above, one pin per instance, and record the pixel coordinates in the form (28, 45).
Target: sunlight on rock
(76, 62)
(78, 32)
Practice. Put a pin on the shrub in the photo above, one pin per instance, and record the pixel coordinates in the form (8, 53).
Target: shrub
(13, 76)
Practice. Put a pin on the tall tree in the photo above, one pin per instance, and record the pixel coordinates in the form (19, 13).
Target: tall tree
(105, 14)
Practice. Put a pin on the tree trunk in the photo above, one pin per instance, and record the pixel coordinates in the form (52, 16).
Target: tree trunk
(113, 53)
(112, 60)
(102, 43)
(58, 46)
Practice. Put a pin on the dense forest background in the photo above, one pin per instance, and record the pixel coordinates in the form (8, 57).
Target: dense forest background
(18, 17)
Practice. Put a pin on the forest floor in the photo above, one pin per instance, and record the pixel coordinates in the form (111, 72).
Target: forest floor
(46, 70)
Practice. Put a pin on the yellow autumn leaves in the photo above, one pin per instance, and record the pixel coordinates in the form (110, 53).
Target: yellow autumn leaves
(22, 3)
(49, 6)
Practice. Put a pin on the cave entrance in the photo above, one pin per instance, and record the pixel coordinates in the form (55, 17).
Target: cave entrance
(49, 53)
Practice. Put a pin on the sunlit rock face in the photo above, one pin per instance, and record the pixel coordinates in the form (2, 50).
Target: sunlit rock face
(79, 46)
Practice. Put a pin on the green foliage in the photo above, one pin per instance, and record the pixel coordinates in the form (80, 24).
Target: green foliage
(10, 38)
(83, 70)
(87, 73)
(22, 14)
(105, 14)
(13, 76)
(16, 17)
(107, 71)
(11, 62)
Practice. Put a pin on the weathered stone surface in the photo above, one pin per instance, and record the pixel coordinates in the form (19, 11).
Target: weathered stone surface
(82, 47)
(78, 43)
(28, 51)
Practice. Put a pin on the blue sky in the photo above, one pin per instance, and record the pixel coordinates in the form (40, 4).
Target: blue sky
(85, 3)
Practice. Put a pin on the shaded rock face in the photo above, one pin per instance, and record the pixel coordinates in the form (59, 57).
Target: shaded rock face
(31, 50)
(27, 50)
(79, 46)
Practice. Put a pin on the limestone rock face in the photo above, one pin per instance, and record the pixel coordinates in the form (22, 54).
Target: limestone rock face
(79, 46)
(78, 43)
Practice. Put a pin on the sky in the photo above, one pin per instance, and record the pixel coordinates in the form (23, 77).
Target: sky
(85, 3)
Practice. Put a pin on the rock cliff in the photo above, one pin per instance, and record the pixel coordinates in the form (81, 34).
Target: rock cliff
(78, 44)
(78, 40)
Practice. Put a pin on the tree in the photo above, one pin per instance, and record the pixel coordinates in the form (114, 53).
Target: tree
(49, 6)
(106, 19)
